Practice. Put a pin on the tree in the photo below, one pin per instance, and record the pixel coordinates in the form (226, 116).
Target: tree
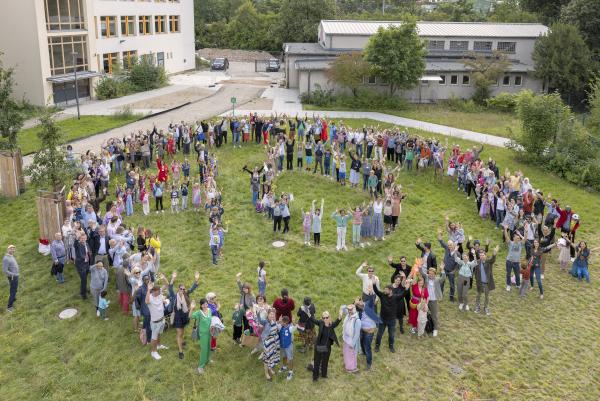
(563, 59)
(511, 11)
(485, 72)
(541, 117)
(459, 11)
(11, 117)
(593, 122)
(548, 10)
(298, 19)
(349, 70)
(396, 54)
(144, 75)
(243, 31)
(50, 168)
(585, 14)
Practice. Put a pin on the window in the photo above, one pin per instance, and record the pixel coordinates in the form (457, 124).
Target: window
(506, 80)
(159, 24)
(518, 80)
(108, 60)
(108, 26)
(174, 23)
(466, 80)
(370, 80)
(144, 25)
(129, 57)
(453, 79)
(160, 59)
(443, 81)
(507, 47)
(64, 15)
(64, 50)
(480, 46)
(128, 25)
(435, 45)
(459, 45)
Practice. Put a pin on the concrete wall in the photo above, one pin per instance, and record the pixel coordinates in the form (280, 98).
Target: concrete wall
(291, 73)
(24, 47)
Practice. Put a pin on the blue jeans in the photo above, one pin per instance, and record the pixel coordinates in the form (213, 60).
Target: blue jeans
(254, 197)
(450, 277)
(14, 285)
(262, 287)
(515, 268)
(366, 339)
(499, 217)
(391, 327)
(236, 138)
(538, 273)
(215, 252)
(583, 272)
(280, 163)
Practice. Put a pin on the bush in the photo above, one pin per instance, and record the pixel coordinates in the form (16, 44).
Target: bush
(504, 102)
(318, 97)
(364, 100)
(461, 105)
(144, 75)
(111, 88)
(202, 63)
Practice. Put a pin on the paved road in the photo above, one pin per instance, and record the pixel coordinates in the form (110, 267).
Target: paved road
(205, 108)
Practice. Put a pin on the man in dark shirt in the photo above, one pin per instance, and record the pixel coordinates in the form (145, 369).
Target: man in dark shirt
(389, 305)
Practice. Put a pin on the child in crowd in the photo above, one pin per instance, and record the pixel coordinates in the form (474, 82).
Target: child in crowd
(196, 198)
(184, 196)
(286, 344)
(342, 171)
(299, 156)
(103, 305)
(422, 317)
(174, 199)
(306, 224)
(525, 275)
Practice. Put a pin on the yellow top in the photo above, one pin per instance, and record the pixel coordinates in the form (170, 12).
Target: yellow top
(155, 243)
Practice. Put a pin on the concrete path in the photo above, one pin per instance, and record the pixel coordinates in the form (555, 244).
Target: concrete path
(391, 119)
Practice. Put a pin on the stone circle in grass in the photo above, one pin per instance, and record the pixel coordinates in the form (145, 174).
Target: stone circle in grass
(278, 244)
(68, 313)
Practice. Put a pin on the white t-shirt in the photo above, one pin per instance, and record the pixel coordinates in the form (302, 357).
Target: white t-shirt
(262, 274)
(156, 307)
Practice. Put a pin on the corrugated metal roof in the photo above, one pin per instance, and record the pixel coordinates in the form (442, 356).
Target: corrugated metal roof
(314, 64)
(450, 66)
(427, 29)
(307, 48)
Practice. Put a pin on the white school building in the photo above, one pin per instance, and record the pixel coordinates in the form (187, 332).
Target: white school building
(46, 40)
(446, 44)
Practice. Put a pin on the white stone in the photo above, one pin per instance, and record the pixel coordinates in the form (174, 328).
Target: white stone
(68, 313)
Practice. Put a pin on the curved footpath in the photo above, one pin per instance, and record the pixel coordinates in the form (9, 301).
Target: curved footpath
(405, 122)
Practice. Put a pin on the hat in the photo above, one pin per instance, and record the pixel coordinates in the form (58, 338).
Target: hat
(575, 216)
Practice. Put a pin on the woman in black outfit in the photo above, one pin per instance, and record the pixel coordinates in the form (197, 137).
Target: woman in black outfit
(289, 152)
(181, 307)
(141, 239)
(323, 342)
(400, 292)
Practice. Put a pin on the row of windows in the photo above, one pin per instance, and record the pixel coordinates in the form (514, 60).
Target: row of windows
(478, 45)
(127, 57)
(454, 79)
(108, 25)
(64, 15)
(67, 53)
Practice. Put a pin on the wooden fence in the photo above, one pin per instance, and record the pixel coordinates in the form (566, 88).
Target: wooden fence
(51, 212)
(12, 181)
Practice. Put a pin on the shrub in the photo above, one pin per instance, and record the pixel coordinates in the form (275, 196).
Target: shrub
(504, 102)
(318, 97)
(458, 104)
(364, 100)
(144, 75)
(202, 63)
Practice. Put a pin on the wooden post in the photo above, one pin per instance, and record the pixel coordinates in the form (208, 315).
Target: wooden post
(51, 212)
(12, 182)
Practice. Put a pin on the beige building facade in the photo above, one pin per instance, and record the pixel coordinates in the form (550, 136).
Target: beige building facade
(447, 43)
(47, 41)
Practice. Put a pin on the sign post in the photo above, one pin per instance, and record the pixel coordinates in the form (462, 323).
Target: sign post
(233, 102)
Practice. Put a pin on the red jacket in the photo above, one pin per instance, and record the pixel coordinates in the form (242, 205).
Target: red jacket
(563, 215)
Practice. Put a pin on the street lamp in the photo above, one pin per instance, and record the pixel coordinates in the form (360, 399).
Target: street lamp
(76, 88)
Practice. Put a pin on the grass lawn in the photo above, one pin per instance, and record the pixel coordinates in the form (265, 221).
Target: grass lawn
(488, 122)
(528, 349)
(73, 129)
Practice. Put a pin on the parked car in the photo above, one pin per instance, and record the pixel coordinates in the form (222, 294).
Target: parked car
(273, 65)
(220, 63)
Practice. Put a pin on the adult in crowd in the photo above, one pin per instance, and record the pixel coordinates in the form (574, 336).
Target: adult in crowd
(369, 281)
(351, 339)
(203, 318)
(156, 305)
(484, 276)
(580, 267)
(10, 268)
(513, 257)
(434, 289)
(284, 305)
(98, 283)
(247, 298)
(450, 266)
(426, 254)
(401, 267)
(82, 263)
(142, 307)
(388, 314)
(325, 338)
(270, 344)
(369, 321)
(306, 327)
(181, 307)
(418, 292)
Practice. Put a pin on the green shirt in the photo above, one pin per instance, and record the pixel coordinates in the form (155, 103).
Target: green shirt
(203, 321)
(237, 317)
(341, 221)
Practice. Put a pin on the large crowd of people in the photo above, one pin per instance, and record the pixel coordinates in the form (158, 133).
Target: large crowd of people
(98, 241)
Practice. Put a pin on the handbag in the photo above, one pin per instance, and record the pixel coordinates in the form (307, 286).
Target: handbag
(53, 269)
(195, 336)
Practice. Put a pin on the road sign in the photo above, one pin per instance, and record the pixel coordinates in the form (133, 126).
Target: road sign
(233, 100)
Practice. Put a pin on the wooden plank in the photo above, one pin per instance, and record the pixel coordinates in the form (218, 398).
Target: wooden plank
(9, 174)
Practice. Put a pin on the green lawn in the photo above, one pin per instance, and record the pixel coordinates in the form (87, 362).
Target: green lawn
(488, 122)
(527, 350)
(73, 129)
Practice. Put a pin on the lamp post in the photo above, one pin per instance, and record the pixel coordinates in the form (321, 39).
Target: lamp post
(76, 88)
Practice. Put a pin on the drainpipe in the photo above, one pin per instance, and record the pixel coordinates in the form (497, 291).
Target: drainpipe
(309, 71)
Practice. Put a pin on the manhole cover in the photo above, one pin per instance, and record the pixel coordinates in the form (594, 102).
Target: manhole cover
(278, 244)
(68, 313)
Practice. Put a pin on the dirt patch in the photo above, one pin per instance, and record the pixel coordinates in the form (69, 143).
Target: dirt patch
(172, 99)
(259, 104)
(234, 55)
(258, 82)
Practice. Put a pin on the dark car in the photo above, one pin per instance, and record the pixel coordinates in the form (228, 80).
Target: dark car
(273, 65)
(220, 63)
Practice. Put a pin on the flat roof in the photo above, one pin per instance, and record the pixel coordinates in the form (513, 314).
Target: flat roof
(427, 28)
(309, 48)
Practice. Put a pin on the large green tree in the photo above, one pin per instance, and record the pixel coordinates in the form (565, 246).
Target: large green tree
(245, 30)
(349, 70)
(298, 19)
(485, 71)
(459, 11)
(511, 11)
(585, 14)
(563, 59)
(396, 54)
(593, 122)
(11, 117)
(548, 10)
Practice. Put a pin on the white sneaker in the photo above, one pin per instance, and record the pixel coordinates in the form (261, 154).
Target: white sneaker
(200, 371)
(542, 276)
(160, 346)
(466, 307)
(435, 333)
(97, 313)
(460, 306)
(155, 355)
(542, 296)
(508, 288)
(572, 259)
